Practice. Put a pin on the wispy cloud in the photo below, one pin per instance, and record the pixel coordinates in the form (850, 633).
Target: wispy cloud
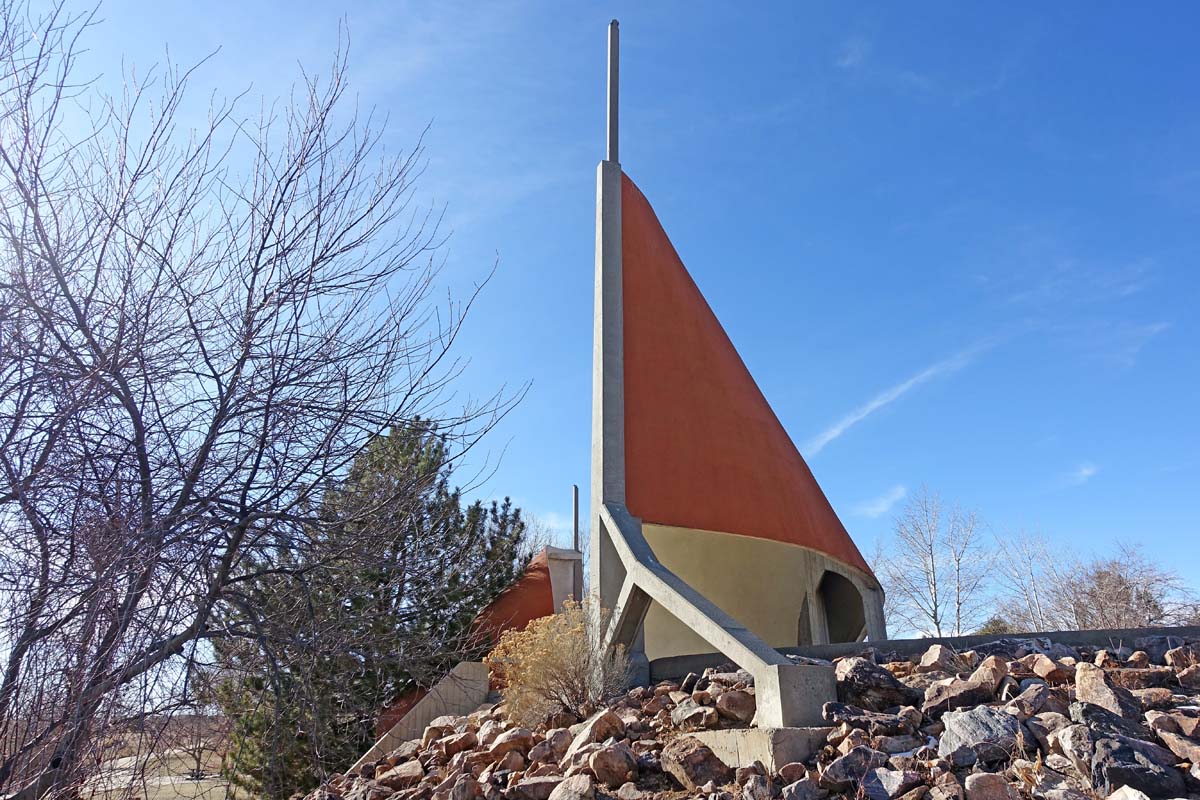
(853, 52)
(1081, 474)
(889, 396)
(882, 504)
(854, 57)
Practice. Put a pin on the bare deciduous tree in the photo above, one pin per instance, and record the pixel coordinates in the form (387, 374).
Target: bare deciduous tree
(1047, 589)
(936, 568)
(199, 329)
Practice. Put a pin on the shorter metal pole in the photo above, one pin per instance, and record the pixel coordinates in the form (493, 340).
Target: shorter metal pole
(575, 514)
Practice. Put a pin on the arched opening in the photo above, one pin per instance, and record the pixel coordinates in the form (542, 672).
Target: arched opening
(845, 619)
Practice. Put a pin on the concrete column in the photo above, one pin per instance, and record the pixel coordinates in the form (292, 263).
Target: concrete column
(608, 384)
(792, 695)
(873, 606)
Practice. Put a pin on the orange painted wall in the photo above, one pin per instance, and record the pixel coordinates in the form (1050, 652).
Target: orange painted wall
(703, 449)
(530, 597)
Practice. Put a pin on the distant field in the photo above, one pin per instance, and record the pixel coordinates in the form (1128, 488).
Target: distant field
(159, 776)
(179, 759)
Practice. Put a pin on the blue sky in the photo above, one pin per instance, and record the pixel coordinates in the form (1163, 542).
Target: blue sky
(956, 244)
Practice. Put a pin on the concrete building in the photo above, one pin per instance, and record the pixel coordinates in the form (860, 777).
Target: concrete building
(709, 531)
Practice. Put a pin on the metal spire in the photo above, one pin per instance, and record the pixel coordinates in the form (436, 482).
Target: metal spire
(614, 46)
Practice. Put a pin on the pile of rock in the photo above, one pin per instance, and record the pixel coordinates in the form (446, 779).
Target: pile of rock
(1014, 718)
(1018, 718)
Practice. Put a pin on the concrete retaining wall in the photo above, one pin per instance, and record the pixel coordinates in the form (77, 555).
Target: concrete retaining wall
(678, 666)
(461, 692)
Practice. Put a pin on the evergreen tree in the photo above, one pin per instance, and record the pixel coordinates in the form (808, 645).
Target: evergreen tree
(378, 600)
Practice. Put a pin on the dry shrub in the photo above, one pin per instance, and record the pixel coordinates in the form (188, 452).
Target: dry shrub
(554, 665)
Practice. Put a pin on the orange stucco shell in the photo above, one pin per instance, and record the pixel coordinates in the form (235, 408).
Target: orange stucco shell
(531, 596)
(703, 449)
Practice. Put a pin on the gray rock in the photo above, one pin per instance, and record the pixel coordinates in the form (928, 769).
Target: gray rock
(1029, 702)
(872, 722)
(1127, 793)
(866, 685)
(962, 757)
(803, 789)
(629, 791)
(1116, 764)
(690, 714)
(1075, 742)
(1157, 646)
(758, 787)
(890, 783)
(976, 727)
(843, 773)
(1102, 721)
(897, 744)
(1043, 724)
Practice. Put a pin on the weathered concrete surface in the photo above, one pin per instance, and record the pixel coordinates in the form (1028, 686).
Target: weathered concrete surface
(773, 587)
(774, 747)
(793, 695)
(461, 692)
(675, 667)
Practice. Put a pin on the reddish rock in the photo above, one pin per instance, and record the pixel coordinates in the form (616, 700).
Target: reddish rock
(737, 704)
(401, 776)
(534, 788)
(991, 671)
(1189, 678)
(519, 739)
(1187, 749)
(599, 727)
(939, 658)
(1047, 668)
(792, 772)
(693, 764)
(990, 786)
(458, 742)
(1093, 686)
(613, 765)
(576, 787)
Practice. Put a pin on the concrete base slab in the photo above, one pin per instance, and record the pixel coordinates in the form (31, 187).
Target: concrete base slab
(774, 747)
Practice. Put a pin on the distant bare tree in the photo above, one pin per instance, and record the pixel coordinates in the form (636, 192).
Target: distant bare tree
(1029, 577)
(935, 568)
(1047, 589)
(199, 330)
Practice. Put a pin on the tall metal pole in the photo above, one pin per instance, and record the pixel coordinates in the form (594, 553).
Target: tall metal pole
(614, 46)
(608, 371)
